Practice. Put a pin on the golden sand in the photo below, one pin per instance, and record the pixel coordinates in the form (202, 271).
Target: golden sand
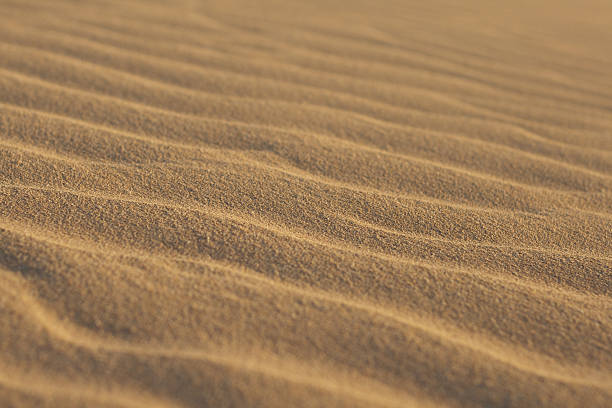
(305, 204)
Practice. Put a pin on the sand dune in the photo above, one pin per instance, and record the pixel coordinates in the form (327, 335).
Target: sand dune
(309, 204)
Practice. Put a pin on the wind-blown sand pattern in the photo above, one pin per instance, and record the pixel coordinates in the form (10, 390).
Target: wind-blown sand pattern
(305, 204)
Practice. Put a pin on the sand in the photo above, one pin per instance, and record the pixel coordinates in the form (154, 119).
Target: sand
(305, 204)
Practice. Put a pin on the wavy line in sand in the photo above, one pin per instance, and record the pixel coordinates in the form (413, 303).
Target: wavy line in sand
(277, 229)
(338, 142)
(505, 353)
(285, 372)
(246, 161)
(292, 84)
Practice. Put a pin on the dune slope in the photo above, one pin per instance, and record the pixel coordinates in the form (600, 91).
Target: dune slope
(305, 204)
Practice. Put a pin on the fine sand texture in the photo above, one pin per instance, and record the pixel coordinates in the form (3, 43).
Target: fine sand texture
(316, 203)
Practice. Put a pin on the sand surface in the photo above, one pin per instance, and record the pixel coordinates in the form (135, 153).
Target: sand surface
(305, 204)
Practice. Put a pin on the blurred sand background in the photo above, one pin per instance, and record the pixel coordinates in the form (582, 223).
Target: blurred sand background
(305, 203)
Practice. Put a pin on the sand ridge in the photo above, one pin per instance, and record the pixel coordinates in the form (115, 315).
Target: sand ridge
(317, 204)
